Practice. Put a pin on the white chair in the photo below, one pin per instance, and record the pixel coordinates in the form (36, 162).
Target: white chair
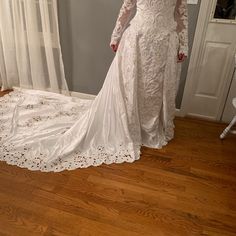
(230, 126)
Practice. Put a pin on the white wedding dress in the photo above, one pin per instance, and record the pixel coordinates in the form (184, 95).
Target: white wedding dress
(136, 105)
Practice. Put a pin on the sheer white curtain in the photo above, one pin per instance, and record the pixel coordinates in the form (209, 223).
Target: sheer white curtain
(30, 53)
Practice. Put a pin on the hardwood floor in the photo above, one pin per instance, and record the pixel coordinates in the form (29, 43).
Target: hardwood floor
(187, 188)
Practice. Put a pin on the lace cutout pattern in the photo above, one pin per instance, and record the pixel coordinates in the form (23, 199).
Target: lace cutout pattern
(25, 157)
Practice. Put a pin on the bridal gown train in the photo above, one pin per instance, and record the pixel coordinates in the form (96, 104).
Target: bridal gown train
(136, 105)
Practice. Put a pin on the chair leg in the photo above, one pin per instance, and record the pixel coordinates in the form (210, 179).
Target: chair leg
(226, 131)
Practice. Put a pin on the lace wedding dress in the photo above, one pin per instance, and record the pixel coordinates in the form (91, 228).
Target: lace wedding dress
(136, 105)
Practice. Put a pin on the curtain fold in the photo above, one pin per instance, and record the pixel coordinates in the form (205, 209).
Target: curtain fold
(30, 51)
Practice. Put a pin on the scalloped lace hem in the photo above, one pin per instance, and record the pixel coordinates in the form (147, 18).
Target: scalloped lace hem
(26, 158)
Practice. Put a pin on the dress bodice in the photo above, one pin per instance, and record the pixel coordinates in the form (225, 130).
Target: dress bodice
(158, 14)
(161, 15)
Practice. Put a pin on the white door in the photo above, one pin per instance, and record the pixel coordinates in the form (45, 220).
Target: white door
(211, 65)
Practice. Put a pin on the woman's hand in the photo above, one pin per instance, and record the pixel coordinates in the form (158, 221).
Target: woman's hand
(114, 47)
(181, 57)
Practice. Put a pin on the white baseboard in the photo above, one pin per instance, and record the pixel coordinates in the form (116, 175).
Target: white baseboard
(82, 95)
(177, 112)
(201, 117)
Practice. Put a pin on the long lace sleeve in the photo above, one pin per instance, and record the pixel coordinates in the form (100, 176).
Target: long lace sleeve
(123, 19)
(181, 17)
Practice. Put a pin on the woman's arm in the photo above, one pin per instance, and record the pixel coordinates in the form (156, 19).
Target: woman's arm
(181, 17)
(122, 20)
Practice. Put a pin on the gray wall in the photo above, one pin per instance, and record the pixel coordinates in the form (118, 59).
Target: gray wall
(193, 11)
(85, 29)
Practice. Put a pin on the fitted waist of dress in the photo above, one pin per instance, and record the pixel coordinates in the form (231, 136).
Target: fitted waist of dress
(161, 20)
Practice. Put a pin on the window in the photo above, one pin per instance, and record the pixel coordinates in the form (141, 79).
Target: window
(225, 9)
